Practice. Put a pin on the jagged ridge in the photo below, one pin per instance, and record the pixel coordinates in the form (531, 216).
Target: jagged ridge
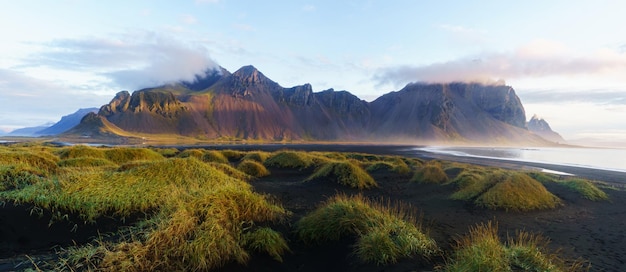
(248, 105)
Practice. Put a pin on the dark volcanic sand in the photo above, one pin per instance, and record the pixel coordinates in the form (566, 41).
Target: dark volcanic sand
(581, 228)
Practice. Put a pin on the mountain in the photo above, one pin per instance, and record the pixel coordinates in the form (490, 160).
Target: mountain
(540, 127)
(248, 105)
(29, 131)
(66, 123)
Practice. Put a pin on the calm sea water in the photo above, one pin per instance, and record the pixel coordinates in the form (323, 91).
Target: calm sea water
(600, 158)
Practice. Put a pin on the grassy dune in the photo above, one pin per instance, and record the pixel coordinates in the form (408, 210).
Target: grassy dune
(198, 210)
(385, 233)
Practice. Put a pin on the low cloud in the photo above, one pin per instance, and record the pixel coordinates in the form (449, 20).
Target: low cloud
(130, 61)
(537, 59)
(604, 97)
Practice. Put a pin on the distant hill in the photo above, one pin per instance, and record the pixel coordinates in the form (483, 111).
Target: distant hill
(248, 105)
(541, 127)
(66, 123)
(29, 131)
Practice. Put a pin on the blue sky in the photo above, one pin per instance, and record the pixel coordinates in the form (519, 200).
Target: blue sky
(565, 59)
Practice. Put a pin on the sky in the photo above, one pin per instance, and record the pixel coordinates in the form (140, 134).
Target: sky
(566, 60)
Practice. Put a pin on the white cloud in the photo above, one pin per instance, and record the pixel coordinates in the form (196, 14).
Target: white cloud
(535, 60)
(129, 61)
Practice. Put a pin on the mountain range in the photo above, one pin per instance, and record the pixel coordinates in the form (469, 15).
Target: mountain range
(246, 105)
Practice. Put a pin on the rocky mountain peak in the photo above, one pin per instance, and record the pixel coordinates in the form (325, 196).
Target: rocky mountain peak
(250, 75)
(541, 127)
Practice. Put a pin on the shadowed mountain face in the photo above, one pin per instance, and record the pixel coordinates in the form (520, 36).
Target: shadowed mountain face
(248, 105)
(540, 127)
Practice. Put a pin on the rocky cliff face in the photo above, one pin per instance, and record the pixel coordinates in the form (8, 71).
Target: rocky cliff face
(248, 105)
(541, 127)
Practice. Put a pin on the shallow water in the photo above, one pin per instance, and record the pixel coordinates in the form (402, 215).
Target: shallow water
(599, 158)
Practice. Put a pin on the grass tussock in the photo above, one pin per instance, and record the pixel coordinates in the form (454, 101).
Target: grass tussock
(431, 172)
(167, 152)
(44, 163)
(81, 151)
(123, 155)
(516, 191)
(200, 218)
(233, 155)
(253, 168)
(258, 156)
(86, 162)
(266, 240)
(472, 183)
(14, 177)
(214, 156)
(392, 164)
(586, 188)
(385, 233)
(293, 159)
(482, 250)
(344, 173)
(196, 153)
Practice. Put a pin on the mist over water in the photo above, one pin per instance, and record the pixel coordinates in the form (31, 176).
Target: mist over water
(599, 158)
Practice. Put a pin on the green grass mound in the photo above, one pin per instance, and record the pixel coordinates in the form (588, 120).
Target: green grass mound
(344, 173)
(393, 164)
(196, 153)
(214, 156)
(268, 241)
(80, 151)
(291, 159)
(124, 155)
(233, 155)
(230, 171)
(385, 233)
(363, 157)
(258, 156)
(587, 189)
(472, 183)
(17, 177)
(43, 164)
(431, 172)
(515, 191)
(253, 168)
(86, 162)
(482, 250)
(166, 152)
(199, 217)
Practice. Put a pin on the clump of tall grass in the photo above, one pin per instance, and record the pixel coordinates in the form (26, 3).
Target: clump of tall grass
(431, 172)
(482, 250)
(196, 153)
(344, 173)
(123, 155)
(291, 159)
(44, 164)
(502, 189)
(17, 177)
(81, 151)
(363, 157)
(393, 164)
(385, 233)
(253, 168)
(268, 241)
(587, 189)
(167, 152)
(472, 183)
(86, 162)
(202, 218)
(516, 191)
(233, 155)
(258, 156)
(214, 156)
